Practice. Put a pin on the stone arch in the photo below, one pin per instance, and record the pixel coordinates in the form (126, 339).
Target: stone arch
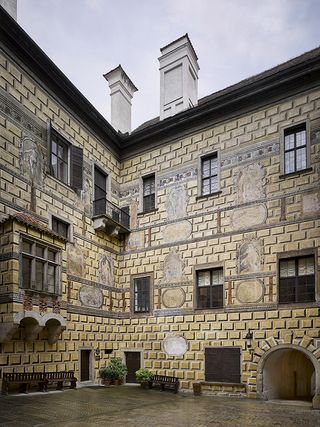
(265, 357)
(18, 317)
(31, 322)
(55, 324)
(54, 316)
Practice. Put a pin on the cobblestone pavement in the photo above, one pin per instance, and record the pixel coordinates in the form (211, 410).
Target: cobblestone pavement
(124, 406)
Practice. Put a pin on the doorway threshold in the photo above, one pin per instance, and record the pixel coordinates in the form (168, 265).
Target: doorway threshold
(87, 384)
(304, 403)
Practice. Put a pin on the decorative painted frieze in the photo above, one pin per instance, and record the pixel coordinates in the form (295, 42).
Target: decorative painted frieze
(262, 150)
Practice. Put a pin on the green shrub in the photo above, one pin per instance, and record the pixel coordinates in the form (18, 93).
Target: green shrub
(143, 375)
(117, 368)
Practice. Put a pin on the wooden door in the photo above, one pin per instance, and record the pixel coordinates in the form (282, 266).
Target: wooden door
(133, 364)
(85, 365)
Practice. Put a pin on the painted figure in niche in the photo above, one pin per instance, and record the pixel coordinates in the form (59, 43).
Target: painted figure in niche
(250, 256)
(86, 196)
(32, 161)
(173, 267)
(176, 203)
(106, 275)
(75, 260)
(250, 183)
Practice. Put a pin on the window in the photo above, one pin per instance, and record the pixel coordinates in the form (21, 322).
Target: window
(141, 294)
(60, 227)
(295, 149)
(210, 288)
(100, 192)
(297, 279)
(222, 364)
(40, 266)
(149, 193)
(209, 175)
(65, 160)
(59, 158)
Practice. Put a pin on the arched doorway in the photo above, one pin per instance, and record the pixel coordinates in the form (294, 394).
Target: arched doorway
(288, 374)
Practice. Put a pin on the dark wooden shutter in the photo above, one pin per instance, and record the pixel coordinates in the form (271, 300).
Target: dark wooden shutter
(49, 136)
(222, 364)
(76, 163)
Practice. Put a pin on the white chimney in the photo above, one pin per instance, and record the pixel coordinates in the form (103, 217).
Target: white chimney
(10, 6)
(178, 77)
(121, 92)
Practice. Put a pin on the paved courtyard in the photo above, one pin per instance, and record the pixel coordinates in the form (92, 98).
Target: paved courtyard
(128, 406)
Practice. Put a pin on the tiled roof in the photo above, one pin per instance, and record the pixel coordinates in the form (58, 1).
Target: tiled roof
(33, 222)
(243, 83)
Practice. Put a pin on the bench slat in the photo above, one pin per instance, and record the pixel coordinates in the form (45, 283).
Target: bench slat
(41, 378)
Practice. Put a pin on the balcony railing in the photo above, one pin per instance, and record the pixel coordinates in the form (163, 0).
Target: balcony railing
(115, 215)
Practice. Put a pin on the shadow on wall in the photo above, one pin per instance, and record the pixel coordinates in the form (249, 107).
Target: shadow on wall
(289, 374)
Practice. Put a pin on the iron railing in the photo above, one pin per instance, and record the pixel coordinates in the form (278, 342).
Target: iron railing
(105, 207)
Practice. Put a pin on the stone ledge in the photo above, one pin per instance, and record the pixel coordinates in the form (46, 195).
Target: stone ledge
(224, 389)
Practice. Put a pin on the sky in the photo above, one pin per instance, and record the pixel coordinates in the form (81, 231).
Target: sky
(234, 39)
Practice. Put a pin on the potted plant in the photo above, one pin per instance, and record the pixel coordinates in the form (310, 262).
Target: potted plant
(118, 370)
(144, 377)
(106, 375)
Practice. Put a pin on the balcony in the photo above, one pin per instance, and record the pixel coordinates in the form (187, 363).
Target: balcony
(110, 218)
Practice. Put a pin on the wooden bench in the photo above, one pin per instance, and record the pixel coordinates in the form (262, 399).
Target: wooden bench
(164, 382)
(41, 378)
(24, 380)
(60, 378)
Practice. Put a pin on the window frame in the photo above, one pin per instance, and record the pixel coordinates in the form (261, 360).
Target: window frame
(64, 142)
(54, 216)
(201, 160)
(209, 267)
(142, 196)
(74, 163)
(135, 277)
(296, 255)
(293, 129)
(107, 190)
(34, 257)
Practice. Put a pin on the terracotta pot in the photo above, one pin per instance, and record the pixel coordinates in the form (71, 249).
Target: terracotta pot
(197, 389)
(105, 382)
(145, 385)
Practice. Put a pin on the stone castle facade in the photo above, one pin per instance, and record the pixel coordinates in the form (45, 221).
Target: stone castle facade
(188, 246)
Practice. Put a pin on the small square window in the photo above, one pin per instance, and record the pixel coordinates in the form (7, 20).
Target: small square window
(149, 193)
(297, 279)
(60, 227)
